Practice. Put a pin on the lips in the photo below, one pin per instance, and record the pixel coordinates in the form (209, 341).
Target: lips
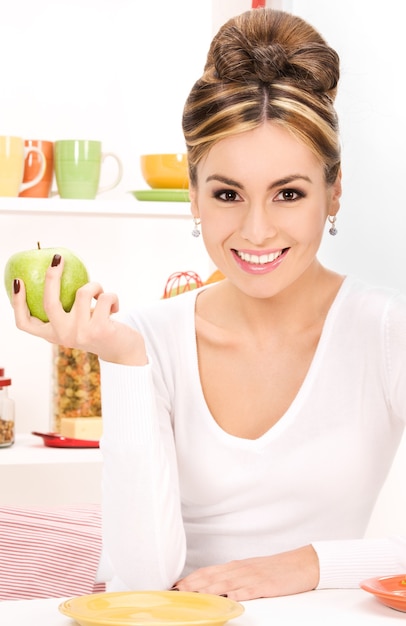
(257, 263)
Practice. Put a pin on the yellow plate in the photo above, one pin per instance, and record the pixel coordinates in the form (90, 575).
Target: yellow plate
(156, 608)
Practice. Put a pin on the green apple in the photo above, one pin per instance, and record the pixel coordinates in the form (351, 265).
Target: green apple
(31, 266)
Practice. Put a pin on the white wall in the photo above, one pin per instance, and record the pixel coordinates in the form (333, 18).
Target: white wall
(115, 70)
(369, 37)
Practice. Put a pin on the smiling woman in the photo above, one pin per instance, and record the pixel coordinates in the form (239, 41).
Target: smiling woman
(230, 410)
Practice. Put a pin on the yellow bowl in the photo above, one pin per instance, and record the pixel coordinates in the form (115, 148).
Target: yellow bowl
(165, 171)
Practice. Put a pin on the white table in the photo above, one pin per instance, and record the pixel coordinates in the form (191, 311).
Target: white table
(316, 608)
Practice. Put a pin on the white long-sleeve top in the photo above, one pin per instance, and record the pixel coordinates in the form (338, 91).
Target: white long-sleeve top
(180, 493)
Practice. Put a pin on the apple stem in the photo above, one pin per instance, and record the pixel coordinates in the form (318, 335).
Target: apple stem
(38, 245)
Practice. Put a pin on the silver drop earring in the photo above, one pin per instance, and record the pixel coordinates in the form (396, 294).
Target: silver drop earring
(196, 229)
(333, 230)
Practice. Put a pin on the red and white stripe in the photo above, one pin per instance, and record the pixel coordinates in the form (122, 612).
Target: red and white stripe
(49, 552)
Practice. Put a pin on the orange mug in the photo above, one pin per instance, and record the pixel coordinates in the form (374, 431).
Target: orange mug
(32, 167)
(13, 153)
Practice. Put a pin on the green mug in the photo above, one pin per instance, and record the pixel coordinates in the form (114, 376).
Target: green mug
(77, 165)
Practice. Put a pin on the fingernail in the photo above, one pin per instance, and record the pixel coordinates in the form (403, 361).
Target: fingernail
(56, 260)
(174, 589)
(16, 285)
(223, 595)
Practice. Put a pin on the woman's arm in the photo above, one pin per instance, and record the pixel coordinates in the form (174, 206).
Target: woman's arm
(143, 531)
(142, 526)
(326, 564)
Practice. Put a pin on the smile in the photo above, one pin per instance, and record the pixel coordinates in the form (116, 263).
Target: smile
(259, 264)
(259, 259)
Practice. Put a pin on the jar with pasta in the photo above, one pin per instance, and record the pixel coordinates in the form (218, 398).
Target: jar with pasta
(76, 398)
(6, 412)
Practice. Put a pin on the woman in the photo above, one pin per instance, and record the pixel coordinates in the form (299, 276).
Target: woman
(249, 425)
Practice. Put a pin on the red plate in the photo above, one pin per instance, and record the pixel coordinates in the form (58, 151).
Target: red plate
(55, 440)
(390, 590)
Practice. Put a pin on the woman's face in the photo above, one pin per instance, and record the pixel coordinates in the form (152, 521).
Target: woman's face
(263, 202)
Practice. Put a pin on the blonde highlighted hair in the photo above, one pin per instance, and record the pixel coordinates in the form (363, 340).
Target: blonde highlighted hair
(266, 65)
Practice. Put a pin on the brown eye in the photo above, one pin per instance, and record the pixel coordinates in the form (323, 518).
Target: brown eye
(227, 195)
(289, 195)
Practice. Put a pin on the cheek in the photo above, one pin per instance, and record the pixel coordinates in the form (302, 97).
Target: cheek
(217, 225)
(215, 234)
(212, 234)
(307, 229)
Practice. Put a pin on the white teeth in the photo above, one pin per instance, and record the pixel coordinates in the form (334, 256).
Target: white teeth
(255, 259)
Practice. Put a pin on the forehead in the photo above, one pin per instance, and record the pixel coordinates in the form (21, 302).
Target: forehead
(269, 149)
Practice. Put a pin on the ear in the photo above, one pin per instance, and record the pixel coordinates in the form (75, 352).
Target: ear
(335, 195)
(193, 202)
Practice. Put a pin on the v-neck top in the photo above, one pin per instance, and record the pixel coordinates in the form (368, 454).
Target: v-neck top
(180, 493)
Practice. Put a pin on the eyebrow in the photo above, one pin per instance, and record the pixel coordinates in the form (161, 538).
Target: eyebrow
(277, 183)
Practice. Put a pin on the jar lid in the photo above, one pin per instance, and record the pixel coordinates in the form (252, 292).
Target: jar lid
(5, 382)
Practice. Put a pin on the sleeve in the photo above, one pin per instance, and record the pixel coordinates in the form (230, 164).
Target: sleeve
(344, 564)
(144, 543)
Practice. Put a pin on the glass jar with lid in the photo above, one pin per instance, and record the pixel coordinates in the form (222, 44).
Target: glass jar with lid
(6, 412)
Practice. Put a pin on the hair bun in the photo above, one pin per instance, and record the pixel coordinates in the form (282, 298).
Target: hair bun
(237, 59)
(268, 54)
(270, 62)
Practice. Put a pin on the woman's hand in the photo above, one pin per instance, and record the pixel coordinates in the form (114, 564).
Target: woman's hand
(260, 577)
(87, 326)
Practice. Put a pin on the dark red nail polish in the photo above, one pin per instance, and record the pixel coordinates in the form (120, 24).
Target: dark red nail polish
(223, 595)
(174, 589)
(16, 285)
(56, 260)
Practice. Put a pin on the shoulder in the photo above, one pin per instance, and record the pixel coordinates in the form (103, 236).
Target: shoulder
(371, 299)
(364, 310)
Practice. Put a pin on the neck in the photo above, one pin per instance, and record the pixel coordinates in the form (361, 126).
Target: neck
(297, 308)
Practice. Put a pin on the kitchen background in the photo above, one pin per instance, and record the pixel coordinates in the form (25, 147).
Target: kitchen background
(119, 71)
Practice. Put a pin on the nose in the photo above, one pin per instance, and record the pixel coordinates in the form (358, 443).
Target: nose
(258, 224)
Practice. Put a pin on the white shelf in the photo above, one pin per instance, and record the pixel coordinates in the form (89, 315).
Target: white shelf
(30, 450)
(127, 206)
(32, 474)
